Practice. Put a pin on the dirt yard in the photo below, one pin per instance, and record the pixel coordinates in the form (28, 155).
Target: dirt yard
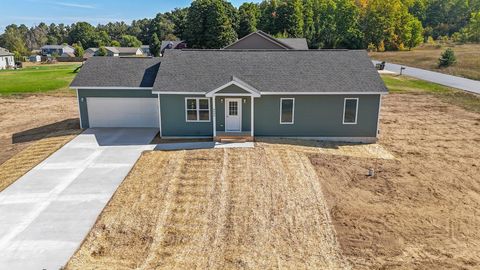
(421, 211)
(26, 119)
(256, 208)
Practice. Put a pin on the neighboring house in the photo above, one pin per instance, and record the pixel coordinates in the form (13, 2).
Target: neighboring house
(262, 41)
(35, 58)
(124, 51)
(7, 59)
(317, 94)
(177, 45)
(90, 52)
(60, 50)
(145, 50)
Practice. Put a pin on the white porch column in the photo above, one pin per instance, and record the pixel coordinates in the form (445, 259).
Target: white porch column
(252, 123)
(214, 114)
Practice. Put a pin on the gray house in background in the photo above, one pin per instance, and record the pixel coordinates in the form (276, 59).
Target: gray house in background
(262, 41)
(60, 50)
(316, 94)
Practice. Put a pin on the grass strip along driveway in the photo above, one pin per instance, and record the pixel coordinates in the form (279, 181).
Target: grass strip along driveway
(256, 208)
(36, 79)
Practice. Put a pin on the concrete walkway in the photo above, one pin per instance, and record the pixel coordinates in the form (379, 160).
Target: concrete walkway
(436, 77)
(46, 214)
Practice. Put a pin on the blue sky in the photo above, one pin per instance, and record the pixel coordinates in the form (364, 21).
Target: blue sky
(32, 12)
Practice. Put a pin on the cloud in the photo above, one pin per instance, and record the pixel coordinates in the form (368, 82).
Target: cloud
(65, 4)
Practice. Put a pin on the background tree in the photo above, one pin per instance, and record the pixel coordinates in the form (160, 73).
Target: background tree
(248, 14)
(290, 18)
(179, 19)
(115, 43)
(78, 50)
(208, 25)
(102, 51)
(84, 33)
(162, 26)
(308, 21)
(155, 46)
(130, 41)
(268, 17)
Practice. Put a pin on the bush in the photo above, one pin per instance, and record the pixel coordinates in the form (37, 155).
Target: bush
(102, 51)
(448, 58)
(371, 47)
(381, 46)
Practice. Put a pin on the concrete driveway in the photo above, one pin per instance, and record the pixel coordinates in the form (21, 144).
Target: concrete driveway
(45, 215)
(436, 77)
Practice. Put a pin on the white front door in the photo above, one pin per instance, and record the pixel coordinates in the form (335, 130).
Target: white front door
(233, 115)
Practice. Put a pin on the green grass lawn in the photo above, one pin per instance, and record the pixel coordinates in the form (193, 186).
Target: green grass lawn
(37, 79)
(404, 84)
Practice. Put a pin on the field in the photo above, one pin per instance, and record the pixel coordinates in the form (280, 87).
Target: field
(25, 120)
(294, 206)
(426, 57)
(37, 79)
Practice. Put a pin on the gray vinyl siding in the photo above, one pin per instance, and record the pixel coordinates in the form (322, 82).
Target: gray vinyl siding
(246, 113)
(83, 94)
(232, 89)
(174, 122)
(316, 116)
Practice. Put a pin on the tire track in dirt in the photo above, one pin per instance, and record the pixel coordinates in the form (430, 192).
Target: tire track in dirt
(184, 221)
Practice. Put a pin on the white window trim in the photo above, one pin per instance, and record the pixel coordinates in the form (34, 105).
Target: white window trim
(198, 110)
(293, 111)
(356, 111)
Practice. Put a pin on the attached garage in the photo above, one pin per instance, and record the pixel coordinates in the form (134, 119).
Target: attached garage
(117, 92)
(122, 112)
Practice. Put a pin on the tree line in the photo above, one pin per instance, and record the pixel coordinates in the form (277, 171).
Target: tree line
(352, 24)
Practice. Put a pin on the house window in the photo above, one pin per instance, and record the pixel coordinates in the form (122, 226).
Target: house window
(197, 109)
(287, 107)
(350, 111)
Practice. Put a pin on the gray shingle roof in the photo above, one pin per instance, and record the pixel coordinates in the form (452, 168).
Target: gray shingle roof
(339, 71)
(295, 43)
(117, 72)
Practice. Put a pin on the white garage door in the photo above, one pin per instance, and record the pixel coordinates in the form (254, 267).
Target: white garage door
(122, 112)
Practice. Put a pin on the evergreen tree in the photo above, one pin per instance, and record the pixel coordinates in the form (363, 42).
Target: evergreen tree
(155, 46)
(248, 15)
(448, 58)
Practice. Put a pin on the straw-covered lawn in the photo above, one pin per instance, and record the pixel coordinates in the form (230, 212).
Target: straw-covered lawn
(27, 159)
(256, 208)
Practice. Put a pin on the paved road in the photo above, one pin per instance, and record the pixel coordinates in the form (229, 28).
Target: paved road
(46, 214)
(436, 77)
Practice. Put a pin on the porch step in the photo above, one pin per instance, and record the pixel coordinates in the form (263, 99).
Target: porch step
(234, 139)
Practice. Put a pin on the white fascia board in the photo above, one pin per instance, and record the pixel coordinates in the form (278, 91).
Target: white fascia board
(320, 93)
(177, 93)
(111, 88)
(253, 92)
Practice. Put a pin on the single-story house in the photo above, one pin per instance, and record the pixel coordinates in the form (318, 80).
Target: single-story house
(262, 41)
(172, 45)
(124, 51)
(60, 50)
(6, 59)
(316, 94)
(145, 50)
(90, 52)
(35, 58)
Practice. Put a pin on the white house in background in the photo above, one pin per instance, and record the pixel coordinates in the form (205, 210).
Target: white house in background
(35, 58)
(60, 50)
(6, 59)
(116, 51)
